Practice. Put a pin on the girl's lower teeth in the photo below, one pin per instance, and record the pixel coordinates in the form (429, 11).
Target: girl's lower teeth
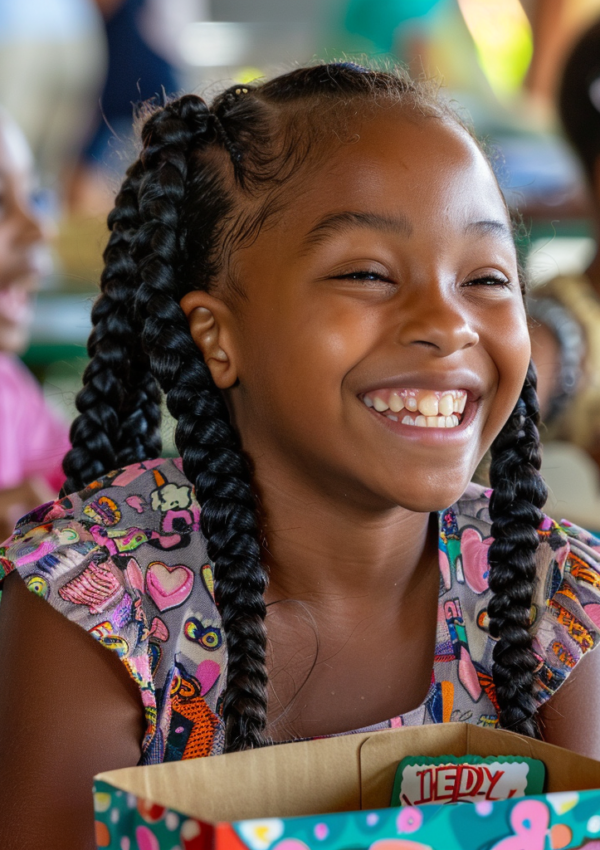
(426, 421)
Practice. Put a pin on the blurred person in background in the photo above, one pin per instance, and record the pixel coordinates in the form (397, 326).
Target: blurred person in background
(142, 65)
(33, 440)
(556, 24)
(566, 311)
(52, 64)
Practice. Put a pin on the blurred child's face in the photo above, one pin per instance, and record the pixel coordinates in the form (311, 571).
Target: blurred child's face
(23, 257)
(383, 342)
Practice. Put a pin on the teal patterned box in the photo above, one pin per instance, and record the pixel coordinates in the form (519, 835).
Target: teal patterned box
(334, 794)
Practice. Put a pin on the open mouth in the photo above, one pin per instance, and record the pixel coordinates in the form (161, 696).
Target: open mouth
(419, 408)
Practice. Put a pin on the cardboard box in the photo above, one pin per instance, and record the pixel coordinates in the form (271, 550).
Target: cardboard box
(334, 793)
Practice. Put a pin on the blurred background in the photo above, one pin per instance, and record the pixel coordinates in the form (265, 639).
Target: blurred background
(73, 71)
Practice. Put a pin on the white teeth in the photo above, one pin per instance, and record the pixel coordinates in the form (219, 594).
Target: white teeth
(446, 405)
(435, 409)
(395, 402)
(429, 421)
(428, 405)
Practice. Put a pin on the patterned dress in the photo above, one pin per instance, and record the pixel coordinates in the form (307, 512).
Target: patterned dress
(126, 560)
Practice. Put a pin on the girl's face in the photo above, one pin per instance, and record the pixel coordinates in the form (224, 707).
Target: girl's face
(382, 344)
(23, 256)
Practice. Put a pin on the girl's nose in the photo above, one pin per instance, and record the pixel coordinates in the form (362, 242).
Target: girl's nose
(439, 324)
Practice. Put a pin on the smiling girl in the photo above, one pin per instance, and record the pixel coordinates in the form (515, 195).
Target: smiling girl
(320, 274)
(33, 440)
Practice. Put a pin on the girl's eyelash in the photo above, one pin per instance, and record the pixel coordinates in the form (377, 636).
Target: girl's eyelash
(489, 280)
(362, 274)
(372, 276)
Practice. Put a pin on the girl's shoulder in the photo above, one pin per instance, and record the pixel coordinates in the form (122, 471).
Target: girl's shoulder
(145, 503)
(126, 560)
(566, 600)
(559, 539)
(563, 546)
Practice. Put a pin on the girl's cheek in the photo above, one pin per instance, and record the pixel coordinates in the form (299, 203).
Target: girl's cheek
(512, 364)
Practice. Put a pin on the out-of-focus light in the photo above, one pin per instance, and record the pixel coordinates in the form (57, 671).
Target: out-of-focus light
(214, 44)
(249, 75)
(503, 40)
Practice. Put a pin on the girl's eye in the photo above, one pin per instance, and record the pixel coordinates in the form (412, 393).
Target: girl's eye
(489, 280)
(364, 276)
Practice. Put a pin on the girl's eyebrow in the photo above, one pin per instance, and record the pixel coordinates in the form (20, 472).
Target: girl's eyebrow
(338, 222)
(498, 228)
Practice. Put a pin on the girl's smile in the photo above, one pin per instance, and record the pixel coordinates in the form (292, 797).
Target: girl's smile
(429, 408)
(431, 415)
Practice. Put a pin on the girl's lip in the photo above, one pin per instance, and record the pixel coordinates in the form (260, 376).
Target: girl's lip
(433, 436)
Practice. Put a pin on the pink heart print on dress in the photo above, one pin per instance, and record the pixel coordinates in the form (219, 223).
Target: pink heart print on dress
(475, 564)
(158, 630)
(167, 586)
(207, 673)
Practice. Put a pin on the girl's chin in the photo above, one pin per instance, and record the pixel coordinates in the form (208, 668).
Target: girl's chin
(423, 493)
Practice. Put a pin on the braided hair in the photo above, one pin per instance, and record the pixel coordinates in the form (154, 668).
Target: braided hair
(518, 496)
(206, 180)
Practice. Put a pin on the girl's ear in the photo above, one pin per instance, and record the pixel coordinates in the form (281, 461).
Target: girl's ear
(211, 323)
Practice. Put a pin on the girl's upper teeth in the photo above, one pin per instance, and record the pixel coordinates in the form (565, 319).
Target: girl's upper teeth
(437, 409)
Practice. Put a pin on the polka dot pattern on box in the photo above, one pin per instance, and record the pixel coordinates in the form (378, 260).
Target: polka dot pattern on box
(564, 821)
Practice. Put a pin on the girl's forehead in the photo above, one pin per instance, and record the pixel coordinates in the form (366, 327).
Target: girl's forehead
(426, 168)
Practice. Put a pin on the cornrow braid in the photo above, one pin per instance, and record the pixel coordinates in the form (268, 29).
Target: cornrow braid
(119, 404)
(209, 446)
(518, 496)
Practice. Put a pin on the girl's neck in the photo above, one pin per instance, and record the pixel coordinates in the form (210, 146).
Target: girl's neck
(318, 550)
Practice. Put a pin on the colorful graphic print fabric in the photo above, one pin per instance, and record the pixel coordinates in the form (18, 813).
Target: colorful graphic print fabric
(125, 559)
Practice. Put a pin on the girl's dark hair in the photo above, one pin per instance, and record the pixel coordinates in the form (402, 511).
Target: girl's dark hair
(516, 503)
(207, 179)
(579, 97)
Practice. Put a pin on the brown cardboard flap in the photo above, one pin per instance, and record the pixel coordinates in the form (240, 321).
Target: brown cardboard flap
(287, 780)
(332, 774)
(566, 771)
(381, 753)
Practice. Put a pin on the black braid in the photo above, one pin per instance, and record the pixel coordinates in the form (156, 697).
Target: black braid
(119, 404)
(519, 494)
(209, 446)
(206, 181)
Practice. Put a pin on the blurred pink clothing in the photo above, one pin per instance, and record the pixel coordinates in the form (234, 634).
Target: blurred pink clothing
(33, 440)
